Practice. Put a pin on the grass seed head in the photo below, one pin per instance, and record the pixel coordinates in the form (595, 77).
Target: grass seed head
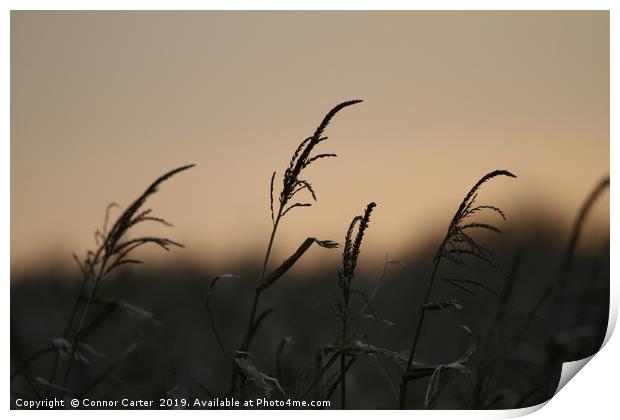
(292, 183)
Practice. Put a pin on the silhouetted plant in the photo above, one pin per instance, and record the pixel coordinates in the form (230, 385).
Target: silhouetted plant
(333, 361)
(456, 245)
(292, 185)
(569, 253)
(558, 284)
(350, 254)
(113, 251)
(483, 388)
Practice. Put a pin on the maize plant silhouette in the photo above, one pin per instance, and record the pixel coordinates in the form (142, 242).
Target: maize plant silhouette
(407, 339)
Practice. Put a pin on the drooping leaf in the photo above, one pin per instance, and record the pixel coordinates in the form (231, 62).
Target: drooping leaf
(445, 375)
(374, 317)
(462, 284)
(440, 383)
(212, 319)
(45, 382)
(66, 349)
(290, 262)
(438, 306)
(138, 312)
(385, 375)
(264, 382)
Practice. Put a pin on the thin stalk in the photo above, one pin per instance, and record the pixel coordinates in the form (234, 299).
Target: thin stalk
(321, 371)
(455, 233)
(340, 378)
(66, 332)
(105, 251)
(404, 381)
(569, 253)
(343, 368)
(486, 369)
(421, 317)
(291, 185)
(74, 310)
(76, 334)
(246, 341)
(245, 345)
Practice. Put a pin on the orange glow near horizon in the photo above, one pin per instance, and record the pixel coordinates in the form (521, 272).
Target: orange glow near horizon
(104, 102)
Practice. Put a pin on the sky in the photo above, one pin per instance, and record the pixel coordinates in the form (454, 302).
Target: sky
(104, 102)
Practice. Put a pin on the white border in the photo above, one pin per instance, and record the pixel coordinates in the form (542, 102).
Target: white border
(594, 394)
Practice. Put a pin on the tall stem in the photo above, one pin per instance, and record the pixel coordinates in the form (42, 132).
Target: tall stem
(343, 366)
(421, 316)
(429, 288)
(270, 245)
(65, 335)
(246, 341)
(245, 345)
(76, 337)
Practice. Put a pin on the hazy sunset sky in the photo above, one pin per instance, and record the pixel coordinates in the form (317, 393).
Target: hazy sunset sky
(104, 102)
